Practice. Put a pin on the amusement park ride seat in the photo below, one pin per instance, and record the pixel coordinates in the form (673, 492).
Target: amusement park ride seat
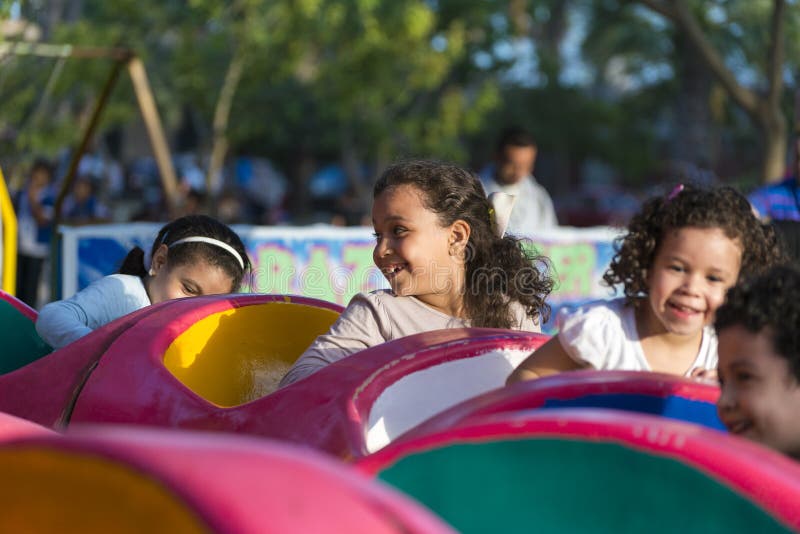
(665, 395)
(219, 351)
(45, 389)
(21, 344)
(197, 363)
(240, 354)
(358, 404)
(209, 363)
(592, 470)
(14, 427)
(145, 480)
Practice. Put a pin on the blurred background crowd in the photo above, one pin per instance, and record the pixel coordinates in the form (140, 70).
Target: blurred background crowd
(284, 111)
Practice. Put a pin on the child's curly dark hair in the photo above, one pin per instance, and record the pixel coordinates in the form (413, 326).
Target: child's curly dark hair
(771, 301)
(700, 207)
(498, 270)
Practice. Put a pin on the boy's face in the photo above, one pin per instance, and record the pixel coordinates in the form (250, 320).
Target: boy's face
(760, 398)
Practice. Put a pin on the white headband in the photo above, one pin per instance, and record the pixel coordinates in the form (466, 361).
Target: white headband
(211, 241)
(502, 205)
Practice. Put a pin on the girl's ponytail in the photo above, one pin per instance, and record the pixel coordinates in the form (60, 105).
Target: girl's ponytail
(133, 263)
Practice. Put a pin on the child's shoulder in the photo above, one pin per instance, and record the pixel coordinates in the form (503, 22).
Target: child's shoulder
(386, 298)
(372, 297)
(599, 332)
(126, 279)
(601, 317)
(117, 283)
(396, 306)
(613, 308)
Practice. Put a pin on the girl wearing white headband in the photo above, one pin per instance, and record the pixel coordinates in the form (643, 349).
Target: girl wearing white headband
(191, 256)
(440, 244)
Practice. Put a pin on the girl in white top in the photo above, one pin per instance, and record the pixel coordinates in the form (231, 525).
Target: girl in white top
(679, 256)
(192, 255)
(440, 244)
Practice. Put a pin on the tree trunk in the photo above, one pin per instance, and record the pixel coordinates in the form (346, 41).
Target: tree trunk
(222, 113)
(693, 116)
(775, 129)
(763, 109)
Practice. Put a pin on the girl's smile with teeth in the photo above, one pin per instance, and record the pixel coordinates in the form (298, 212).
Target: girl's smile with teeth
(413, 249)
(392, 269)
(691, 271)
(683, 308)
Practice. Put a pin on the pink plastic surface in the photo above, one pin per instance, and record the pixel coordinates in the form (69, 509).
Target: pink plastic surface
(328, 410)
(20, 306)
(764, 476)
(565, 386)
(239, 484)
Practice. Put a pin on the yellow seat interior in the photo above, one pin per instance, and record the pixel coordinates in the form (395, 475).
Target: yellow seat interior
(49, 490)
(235, 356)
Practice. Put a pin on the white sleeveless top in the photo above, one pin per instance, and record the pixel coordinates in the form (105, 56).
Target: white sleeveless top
(603, 334)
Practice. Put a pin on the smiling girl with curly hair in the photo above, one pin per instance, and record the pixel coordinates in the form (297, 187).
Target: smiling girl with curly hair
(676, 261)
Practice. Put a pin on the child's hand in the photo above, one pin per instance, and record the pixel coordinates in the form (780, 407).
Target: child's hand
(709, 376)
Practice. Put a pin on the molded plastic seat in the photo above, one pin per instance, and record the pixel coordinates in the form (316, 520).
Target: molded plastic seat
(660, 394)
(13, 428)
(194, 361)
(240, 354)
(45, 390)
(592, 470)
(360, 403)
(21, 344)
(137, 480)
(381, 391)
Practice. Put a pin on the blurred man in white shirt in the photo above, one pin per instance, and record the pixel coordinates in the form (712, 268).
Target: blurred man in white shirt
(512, 173)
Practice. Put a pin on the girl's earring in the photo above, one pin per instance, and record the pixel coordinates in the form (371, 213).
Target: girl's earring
(151, 272)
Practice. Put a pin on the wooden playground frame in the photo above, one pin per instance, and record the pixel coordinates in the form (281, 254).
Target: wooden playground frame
(122, 58)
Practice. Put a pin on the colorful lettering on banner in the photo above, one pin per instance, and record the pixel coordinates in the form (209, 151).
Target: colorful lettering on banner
(273, 269)
(316, 277)
(328, 263)
(575, 265)
(357, 258)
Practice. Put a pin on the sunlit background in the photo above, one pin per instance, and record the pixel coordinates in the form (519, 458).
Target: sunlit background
(284, 111)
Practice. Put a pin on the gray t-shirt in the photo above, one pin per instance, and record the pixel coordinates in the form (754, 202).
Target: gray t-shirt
(374, 318)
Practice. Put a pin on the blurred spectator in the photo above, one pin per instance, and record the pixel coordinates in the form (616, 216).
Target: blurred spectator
(512, 173)
(190, 176)
(153, 207)
(194, 203)
(780, 201)
(263, 191)
(348, 210)
(230, 209)
(605, 205)
(34, 207)
(82, 206)
(779, 204)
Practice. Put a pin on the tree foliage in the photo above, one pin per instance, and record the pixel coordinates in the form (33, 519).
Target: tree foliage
(363, 82)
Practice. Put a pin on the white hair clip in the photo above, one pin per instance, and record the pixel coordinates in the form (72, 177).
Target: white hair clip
(502, 206)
